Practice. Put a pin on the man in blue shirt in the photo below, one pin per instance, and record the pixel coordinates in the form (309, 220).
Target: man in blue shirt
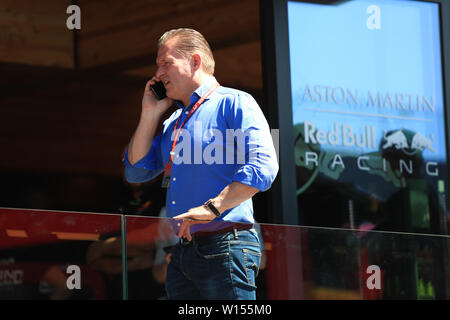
(216, 152)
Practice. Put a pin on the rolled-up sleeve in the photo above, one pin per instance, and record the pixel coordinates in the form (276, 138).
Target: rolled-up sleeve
(261, 165)
(148, 167)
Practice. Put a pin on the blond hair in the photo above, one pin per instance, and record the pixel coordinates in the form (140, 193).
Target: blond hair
(189, 42)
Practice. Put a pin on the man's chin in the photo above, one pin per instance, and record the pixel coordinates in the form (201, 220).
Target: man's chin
(171, 96)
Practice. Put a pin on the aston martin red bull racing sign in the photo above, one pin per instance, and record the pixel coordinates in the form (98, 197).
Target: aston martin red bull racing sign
(367, 95)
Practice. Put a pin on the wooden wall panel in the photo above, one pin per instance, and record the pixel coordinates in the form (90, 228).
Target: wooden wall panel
(118, 30)
(79, 128)
(238, 66)
(79, 121)
(35, 32)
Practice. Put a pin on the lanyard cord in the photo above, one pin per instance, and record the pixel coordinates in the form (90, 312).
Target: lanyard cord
(194, 108)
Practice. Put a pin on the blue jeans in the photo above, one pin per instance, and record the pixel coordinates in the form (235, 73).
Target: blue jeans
(218, 267)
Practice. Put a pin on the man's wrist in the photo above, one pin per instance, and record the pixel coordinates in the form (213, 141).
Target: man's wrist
(211, 206)
(151, 115)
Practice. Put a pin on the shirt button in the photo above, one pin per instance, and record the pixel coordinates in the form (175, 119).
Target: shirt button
(174, 179)
(173, 202)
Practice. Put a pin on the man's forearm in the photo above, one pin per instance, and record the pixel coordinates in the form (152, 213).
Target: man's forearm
(232, 195)
(142, 139)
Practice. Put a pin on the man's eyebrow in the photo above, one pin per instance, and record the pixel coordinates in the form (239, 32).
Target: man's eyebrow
(162, 60)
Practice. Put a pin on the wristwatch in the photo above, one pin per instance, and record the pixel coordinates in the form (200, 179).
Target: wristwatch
(209, 205)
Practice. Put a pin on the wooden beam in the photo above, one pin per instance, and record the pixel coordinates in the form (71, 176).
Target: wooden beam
(116, 32)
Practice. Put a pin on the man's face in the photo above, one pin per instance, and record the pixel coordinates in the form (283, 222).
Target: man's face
(175, 71)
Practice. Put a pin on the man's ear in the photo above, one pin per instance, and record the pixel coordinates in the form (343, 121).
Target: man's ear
(196, 61)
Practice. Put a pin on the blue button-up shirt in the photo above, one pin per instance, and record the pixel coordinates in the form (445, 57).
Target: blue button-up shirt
(227, 139)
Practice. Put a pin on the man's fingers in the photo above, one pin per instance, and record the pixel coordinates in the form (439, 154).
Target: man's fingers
(180, 216)
(180, 230)
(147, 90)
(148, 84)
(183, 226)
(185, 230)
(188, 216)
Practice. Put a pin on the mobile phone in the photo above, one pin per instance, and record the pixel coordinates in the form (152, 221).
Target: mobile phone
(159, 90)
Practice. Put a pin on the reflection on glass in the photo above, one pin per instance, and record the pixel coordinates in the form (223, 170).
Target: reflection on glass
(64, 255)
(368, 115)
(309, 262)
(149, 241)
(59, 255)
(349, 264)
(156, 237)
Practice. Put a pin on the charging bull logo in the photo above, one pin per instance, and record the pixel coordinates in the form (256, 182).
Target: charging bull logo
(419, 142)
(398, 140)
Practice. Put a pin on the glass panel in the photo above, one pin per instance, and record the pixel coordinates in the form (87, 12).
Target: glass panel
(321, 263)
(310, 262)
(368, 114)
(149, 241)
(59, 255)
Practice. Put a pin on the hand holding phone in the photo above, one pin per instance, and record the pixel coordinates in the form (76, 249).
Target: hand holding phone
(154, 100)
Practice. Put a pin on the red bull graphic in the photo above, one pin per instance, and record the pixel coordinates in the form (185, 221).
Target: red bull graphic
(399, 141)
(370, 140)
(396, 139)
(419, 142)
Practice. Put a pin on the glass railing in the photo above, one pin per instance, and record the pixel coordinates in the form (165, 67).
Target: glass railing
(320, 263)
(60, 255)
(70, 255)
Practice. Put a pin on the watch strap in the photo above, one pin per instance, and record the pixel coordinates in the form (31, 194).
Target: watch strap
(208, 204)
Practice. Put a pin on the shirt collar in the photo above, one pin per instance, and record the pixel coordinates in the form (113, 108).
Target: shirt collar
(199, 92)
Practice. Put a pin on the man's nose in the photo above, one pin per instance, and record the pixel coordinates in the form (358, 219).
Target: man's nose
(159, 72)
